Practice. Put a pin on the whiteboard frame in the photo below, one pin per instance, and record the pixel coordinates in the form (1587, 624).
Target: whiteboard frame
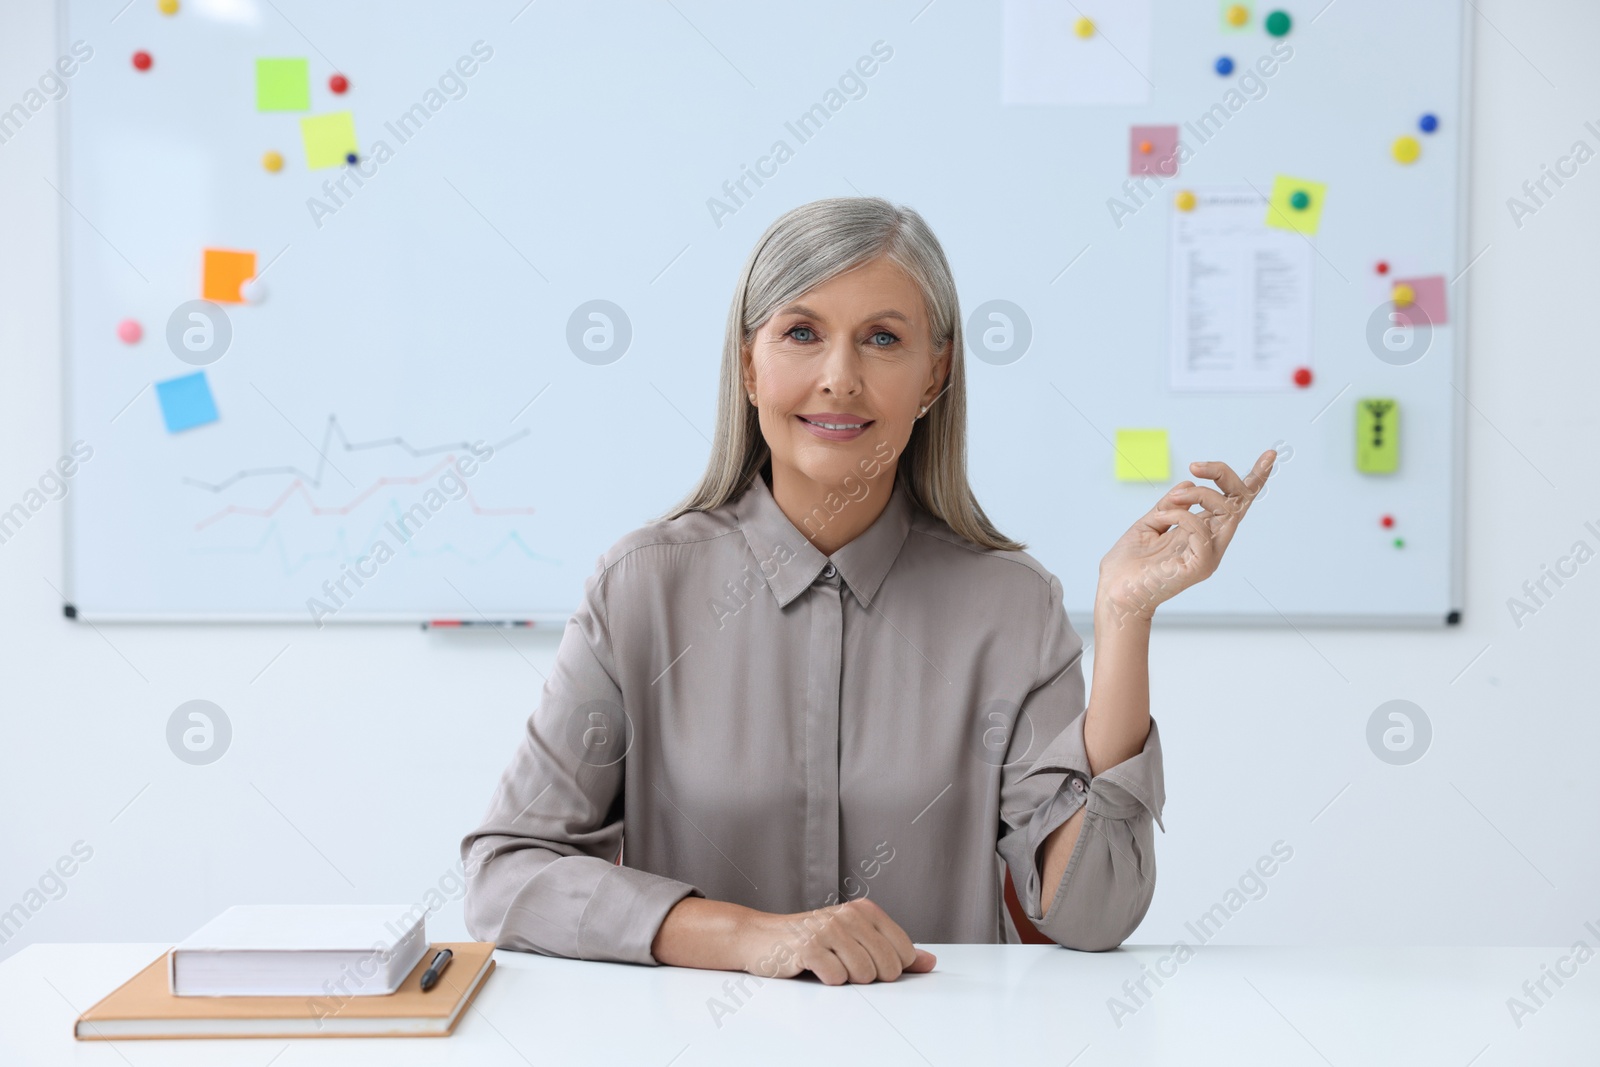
(1083, 615)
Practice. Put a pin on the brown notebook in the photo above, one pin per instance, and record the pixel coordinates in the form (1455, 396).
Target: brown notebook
(143, 1006)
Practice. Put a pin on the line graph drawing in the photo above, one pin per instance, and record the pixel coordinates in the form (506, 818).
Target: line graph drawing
(273, 544)
(331, 429)
(303, 479)
(298, 486)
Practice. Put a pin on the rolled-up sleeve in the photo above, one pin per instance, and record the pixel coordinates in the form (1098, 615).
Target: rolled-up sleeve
(540, 871)
(1111, 874)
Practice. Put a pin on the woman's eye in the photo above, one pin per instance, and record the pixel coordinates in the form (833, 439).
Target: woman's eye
(793, 330)
(885, 333)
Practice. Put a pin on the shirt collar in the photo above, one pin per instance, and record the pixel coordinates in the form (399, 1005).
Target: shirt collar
(862, 563)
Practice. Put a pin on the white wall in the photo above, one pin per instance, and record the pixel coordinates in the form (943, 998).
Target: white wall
(1490, 839)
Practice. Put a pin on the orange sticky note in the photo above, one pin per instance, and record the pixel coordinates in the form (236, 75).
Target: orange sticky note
(224, 273)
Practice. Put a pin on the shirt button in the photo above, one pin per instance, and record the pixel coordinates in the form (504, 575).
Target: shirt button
(829, 571)
(1077, 785)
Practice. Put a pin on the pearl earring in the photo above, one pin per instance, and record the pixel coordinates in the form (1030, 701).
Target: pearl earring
(752, 398)
(923, 412)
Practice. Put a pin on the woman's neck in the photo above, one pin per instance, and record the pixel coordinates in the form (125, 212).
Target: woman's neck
(831, 516)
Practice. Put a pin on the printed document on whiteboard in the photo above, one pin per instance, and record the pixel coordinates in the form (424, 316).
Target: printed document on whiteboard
(1241, 296)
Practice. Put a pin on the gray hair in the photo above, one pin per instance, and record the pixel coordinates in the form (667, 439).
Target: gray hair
(804, 248)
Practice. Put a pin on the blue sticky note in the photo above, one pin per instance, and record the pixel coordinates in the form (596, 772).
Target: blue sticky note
(186, 402)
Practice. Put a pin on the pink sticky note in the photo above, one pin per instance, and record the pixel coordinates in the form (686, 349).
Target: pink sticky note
(1429, 302)
(1162, 159)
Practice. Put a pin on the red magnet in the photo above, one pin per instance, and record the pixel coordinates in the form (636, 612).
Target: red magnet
(1387, 521)
(1383, 266)
(142, 60)
(338, 83)
(1302, 376)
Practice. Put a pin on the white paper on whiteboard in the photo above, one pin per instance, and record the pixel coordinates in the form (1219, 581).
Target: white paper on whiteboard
(1240, 296)
(1044, 61)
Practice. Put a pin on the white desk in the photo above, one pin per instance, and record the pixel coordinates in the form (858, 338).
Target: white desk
(1224, 1005)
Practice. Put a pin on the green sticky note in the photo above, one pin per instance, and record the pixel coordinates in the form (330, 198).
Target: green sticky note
(283, 85)
(1377, 435)
(328, 139)
(1142, 456)
(1296, 204)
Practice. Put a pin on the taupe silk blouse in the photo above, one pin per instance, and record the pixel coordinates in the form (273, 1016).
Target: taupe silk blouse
(767, 725)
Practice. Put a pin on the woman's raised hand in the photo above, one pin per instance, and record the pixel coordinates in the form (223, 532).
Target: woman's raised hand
(1170, 547)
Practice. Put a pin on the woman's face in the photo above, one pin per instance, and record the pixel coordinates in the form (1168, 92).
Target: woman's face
(841, 371)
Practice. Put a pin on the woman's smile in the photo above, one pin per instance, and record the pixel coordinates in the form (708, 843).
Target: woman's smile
(832, 426)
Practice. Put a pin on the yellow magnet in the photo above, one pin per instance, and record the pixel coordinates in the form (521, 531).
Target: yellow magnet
(1084, 27)
(1184, 200)
(1406, 149)
(272, 161)
(1404, 296)
(1238, 15)
(167, 7)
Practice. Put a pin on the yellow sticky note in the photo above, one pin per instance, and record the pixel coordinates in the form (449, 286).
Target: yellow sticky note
(224, 272)
(1296, 204)
(1142, 456)
(283, 85)
(328, 139)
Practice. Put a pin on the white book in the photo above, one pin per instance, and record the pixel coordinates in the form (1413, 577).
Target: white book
(291, 950)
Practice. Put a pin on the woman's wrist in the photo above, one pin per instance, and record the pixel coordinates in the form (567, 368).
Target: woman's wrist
(1114, 608)
(709, 934)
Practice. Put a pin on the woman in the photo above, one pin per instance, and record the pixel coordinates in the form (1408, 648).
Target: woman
(825, 696)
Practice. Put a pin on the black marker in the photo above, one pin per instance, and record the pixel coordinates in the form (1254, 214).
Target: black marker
(440, 961)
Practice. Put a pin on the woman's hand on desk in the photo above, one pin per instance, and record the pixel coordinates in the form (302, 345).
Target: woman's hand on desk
(851, 942)
(1171, 548)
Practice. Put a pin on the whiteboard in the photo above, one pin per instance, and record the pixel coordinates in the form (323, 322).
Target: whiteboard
(600, 176)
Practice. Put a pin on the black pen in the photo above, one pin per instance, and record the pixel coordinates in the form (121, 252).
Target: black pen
(441, 960)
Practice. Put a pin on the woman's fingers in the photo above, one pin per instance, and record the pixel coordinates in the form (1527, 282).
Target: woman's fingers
(1241, 492)
(856, 923)
(843, 944)
(1230, 482)
(862, 944)
(1261, 471)
(1213, 501)
(899, 941)
(827, 966)
(1200, 539)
